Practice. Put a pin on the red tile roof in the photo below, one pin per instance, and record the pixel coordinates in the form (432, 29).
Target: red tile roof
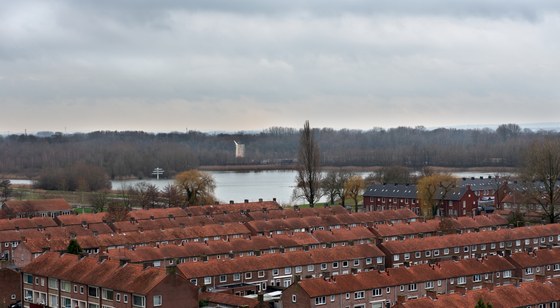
(458, 240)
(228, 300)
(403, 275)
(538, 257)
(281, 260)
(526, 294)
(44, 205)
(108, 274)
(78, 219)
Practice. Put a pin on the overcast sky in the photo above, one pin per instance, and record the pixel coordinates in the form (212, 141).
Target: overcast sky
(248, 65)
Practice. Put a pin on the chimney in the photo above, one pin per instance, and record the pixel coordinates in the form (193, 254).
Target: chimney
(260, 200)
(231, 202)
(246, 200)
(273, 199)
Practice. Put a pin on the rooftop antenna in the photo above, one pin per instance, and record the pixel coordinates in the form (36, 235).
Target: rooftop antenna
(157, 172)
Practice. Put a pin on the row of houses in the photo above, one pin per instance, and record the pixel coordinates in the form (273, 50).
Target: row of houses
(381, 288)
(238, 236)
(64, 280)
(280, 268)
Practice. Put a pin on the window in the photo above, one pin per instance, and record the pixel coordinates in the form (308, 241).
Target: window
(207, 280)
(260, 274)
(344, 263)
(65, 286)
(401, 288)
(194, 281)
(356, 262)
(466, 249)
(275, 272)
(439, 283)
(158, 300)
(473, 248)
(321, 300)
(288, 270)
(248, 275)
(446, 251)
(406, 256)
(118, 297)
(493, 246)
(379, 260)
(107, 294)
(376, 292)
(418, 255)
(429, 285)
(557, 267)
(502, 244)
(294, 298)
(482, 246)
(428, 253)
(66, 302)
(368, 260)
(359, 295)
(347, 295)
(223, 278)
(310, 268)
(396, 257)
(518, 243)
(462, 280)
(388, 290)
(37, 280)
(529, 271)
(27, 279)
(53, 283)
(456, 249)
(335, 264)
(92, 305)
(82, 289)
(477, 278)
(412, 287)
(323, 266)
(125, 298)
(507, 274)
(138, 301)
(298, 269)
(333, 298)
(236, 277)
(93, 291)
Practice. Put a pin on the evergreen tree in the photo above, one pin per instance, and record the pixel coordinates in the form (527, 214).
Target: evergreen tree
(74, 247)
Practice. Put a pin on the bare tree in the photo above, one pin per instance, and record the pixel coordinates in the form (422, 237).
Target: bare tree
(171, 196)
(542, 173)
(354, 187)
(333, 185)
(197, 186)
(432, 191)
(99, 201)
(309, 176)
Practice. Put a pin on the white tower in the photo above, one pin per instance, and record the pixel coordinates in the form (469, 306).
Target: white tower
(239, 150)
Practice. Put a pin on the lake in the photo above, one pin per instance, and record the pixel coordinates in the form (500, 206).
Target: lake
(238, 186)
(252, 185)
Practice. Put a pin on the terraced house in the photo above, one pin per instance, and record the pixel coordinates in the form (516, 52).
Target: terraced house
(70, 281)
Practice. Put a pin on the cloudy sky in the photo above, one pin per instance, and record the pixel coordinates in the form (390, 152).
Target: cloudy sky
(248, 65)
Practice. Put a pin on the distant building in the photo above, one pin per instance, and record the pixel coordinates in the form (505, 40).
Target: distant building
(239, 150)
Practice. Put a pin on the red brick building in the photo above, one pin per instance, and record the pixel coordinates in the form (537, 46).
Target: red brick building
(72, 281)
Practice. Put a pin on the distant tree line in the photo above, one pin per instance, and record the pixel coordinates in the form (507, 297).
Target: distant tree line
(136, 153)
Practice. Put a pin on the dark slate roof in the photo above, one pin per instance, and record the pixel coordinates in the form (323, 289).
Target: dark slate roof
(391, 191)
(490, 183)
(453, 194)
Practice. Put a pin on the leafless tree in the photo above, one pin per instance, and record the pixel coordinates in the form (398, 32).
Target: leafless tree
(309, 176)
(542, 173)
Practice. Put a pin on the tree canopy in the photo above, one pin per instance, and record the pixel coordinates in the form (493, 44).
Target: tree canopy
(430, 188)
(197, 186)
